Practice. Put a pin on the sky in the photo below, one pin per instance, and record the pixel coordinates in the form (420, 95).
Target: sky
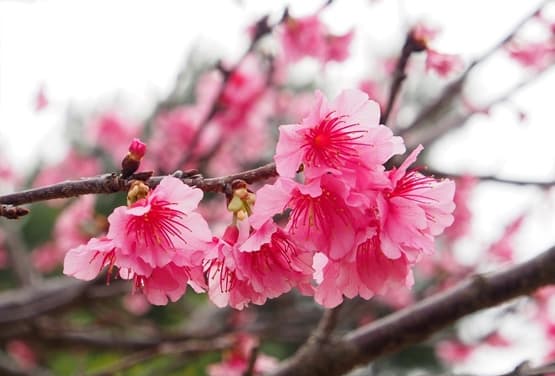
(92, 55)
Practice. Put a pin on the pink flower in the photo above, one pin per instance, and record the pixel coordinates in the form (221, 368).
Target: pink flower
(503, 248)
(320, 218)
(413, 211)
(462, 214)
(338, 46)
(302, 37)
(41, 100)
(307, 36)
(532, 55)
(47, 257)
(442, 64)
(113, 134)
(77, 223)
(453, 351)
(343, 135)
(153, 228)
(173, 132)
(257, 264)
(159, 242)
(236, 361)
(374, 91)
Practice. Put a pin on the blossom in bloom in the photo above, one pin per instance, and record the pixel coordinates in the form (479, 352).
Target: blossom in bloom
(112, 133)
(334, 137)
(252, 265)
(442, 64)
(320, 218)
(159, 241)
(236, 361)
(413, 211)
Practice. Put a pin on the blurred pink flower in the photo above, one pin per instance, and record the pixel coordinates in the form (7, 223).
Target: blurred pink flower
(112, 133)
(538, 55)
(462, 214)
(442, 64)
(22, 353)
(453, 351)
(236, 361)
(503, 248)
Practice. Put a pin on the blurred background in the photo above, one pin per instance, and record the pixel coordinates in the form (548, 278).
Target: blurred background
(70, 70)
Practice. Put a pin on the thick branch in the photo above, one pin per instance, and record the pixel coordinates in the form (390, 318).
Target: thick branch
(112, 183)
(417, 323)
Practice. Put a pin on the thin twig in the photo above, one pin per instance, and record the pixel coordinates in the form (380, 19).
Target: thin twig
(399, 76)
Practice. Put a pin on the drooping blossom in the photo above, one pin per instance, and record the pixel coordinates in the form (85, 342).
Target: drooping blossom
(415, 210)
(236, 361)
(442, 64)
(336, 137)
(252, 265)
(159, 241)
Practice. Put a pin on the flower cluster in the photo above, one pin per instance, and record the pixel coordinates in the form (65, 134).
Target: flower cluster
(351, 226)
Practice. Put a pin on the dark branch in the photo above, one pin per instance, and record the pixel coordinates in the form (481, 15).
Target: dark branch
(112, 183)
(417, 323)
(400, 75)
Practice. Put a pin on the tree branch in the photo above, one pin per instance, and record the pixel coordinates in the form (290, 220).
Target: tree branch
(417, 323)
(400, 75)
(112, 183)
(455, 88)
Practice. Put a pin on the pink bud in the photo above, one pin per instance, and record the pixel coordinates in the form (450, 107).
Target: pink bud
(137, 148)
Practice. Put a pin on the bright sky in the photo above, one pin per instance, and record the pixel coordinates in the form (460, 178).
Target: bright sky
(92, 54)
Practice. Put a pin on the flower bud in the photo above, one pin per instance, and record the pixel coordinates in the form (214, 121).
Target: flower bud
(132, 160)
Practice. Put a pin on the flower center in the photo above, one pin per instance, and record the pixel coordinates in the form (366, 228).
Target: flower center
(332, 142)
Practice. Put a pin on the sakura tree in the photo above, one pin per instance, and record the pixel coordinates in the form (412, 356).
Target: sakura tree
(254, 222)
